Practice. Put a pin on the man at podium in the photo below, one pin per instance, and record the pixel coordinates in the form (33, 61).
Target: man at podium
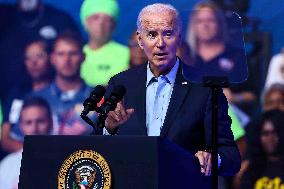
(160, 102)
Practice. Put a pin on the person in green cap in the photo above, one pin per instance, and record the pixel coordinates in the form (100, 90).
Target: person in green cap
(104, 57)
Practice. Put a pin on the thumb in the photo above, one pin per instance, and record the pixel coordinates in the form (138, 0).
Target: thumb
(130, 111)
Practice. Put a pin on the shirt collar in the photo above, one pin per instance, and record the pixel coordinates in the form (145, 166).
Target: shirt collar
(56, 90)
(171, 76)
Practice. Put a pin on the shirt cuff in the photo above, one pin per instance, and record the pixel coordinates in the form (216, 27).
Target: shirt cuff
(105, 132)
(219, 161)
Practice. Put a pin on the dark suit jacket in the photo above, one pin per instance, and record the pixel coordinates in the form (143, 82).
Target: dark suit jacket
(188, 119)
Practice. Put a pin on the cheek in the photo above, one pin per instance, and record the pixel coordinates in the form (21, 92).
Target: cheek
(41, 64)
(29, 64)
(200, 27)
(76, 62)
(263, 140)
(28, 130)
(43, 128)
(213, 28)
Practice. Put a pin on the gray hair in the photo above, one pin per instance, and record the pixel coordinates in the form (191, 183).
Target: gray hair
(158, 8)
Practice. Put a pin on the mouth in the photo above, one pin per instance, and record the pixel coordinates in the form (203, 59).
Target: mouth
(161, 55)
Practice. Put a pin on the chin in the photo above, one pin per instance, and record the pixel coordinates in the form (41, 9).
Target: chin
(162, 62)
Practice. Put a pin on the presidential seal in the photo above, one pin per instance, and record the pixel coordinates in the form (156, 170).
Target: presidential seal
(84, 169)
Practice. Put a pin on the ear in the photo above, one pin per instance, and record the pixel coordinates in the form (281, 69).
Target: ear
(139, 39)
(113, 25)
(179, 39)
(83, 57)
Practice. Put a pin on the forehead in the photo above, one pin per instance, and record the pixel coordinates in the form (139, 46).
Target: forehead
(65, 44)
(204, 13)
(33, 112)
(158, 21)
(99, 15)
(37, 46)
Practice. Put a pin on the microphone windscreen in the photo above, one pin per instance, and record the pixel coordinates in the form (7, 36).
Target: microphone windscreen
(98, 93)
(119, 91)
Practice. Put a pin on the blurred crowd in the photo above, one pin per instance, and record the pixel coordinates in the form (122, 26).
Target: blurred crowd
(47, 70)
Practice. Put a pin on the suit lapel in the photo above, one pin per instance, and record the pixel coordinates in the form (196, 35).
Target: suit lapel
(140, 99)
(179, 93)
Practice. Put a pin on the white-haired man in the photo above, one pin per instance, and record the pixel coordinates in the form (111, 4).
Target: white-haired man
(160, 102)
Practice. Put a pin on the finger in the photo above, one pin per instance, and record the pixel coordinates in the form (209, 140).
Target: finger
(201, 160)
(118, 115)
(122, 110)
(114, 116)
(128, 113)
(209, 165)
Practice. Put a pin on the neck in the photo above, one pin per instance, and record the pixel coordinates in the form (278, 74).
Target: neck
(37, 85)
(164, 70)
(68, 84)
(96, 44)
(209, 50)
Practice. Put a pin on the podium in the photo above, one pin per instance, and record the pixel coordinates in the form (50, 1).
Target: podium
(135, 162)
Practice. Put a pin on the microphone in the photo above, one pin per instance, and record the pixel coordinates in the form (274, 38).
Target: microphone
(95, 97)
(111, 102)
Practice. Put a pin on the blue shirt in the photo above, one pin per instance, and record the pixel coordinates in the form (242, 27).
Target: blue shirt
(155, 116)
(66, 106)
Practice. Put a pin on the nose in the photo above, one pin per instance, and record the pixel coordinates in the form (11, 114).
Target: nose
(67, 56)
(161, 42)
(33, 62)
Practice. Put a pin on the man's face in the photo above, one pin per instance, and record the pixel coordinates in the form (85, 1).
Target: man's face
(67, 59)
(274, 100)
(159, 38)
(36, 61)
(35, 121)
(205, 25)
(269, 138)
(100, 26)
(137, 55)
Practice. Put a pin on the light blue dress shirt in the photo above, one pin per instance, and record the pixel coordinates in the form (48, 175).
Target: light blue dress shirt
(158, 95)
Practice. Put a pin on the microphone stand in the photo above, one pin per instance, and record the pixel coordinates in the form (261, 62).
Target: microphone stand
(216, 84)
(100, 122)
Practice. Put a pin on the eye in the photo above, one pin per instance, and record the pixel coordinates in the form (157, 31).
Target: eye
(59, 53)
(152, 34)
(169, 33)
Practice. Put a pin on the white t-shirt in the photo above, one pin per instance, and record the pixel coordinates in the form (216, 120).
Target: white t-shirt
(10, 170)
(275, 72)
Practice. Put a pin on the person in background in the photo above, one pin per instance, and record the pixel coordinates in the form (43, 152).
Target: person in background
(275, 73)
(213, 53)
(273, 97)
(27, 20)
(104, 57)
(36, 61)
(68, 90)
(137, 55)
(35, 119)
(265, 167)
